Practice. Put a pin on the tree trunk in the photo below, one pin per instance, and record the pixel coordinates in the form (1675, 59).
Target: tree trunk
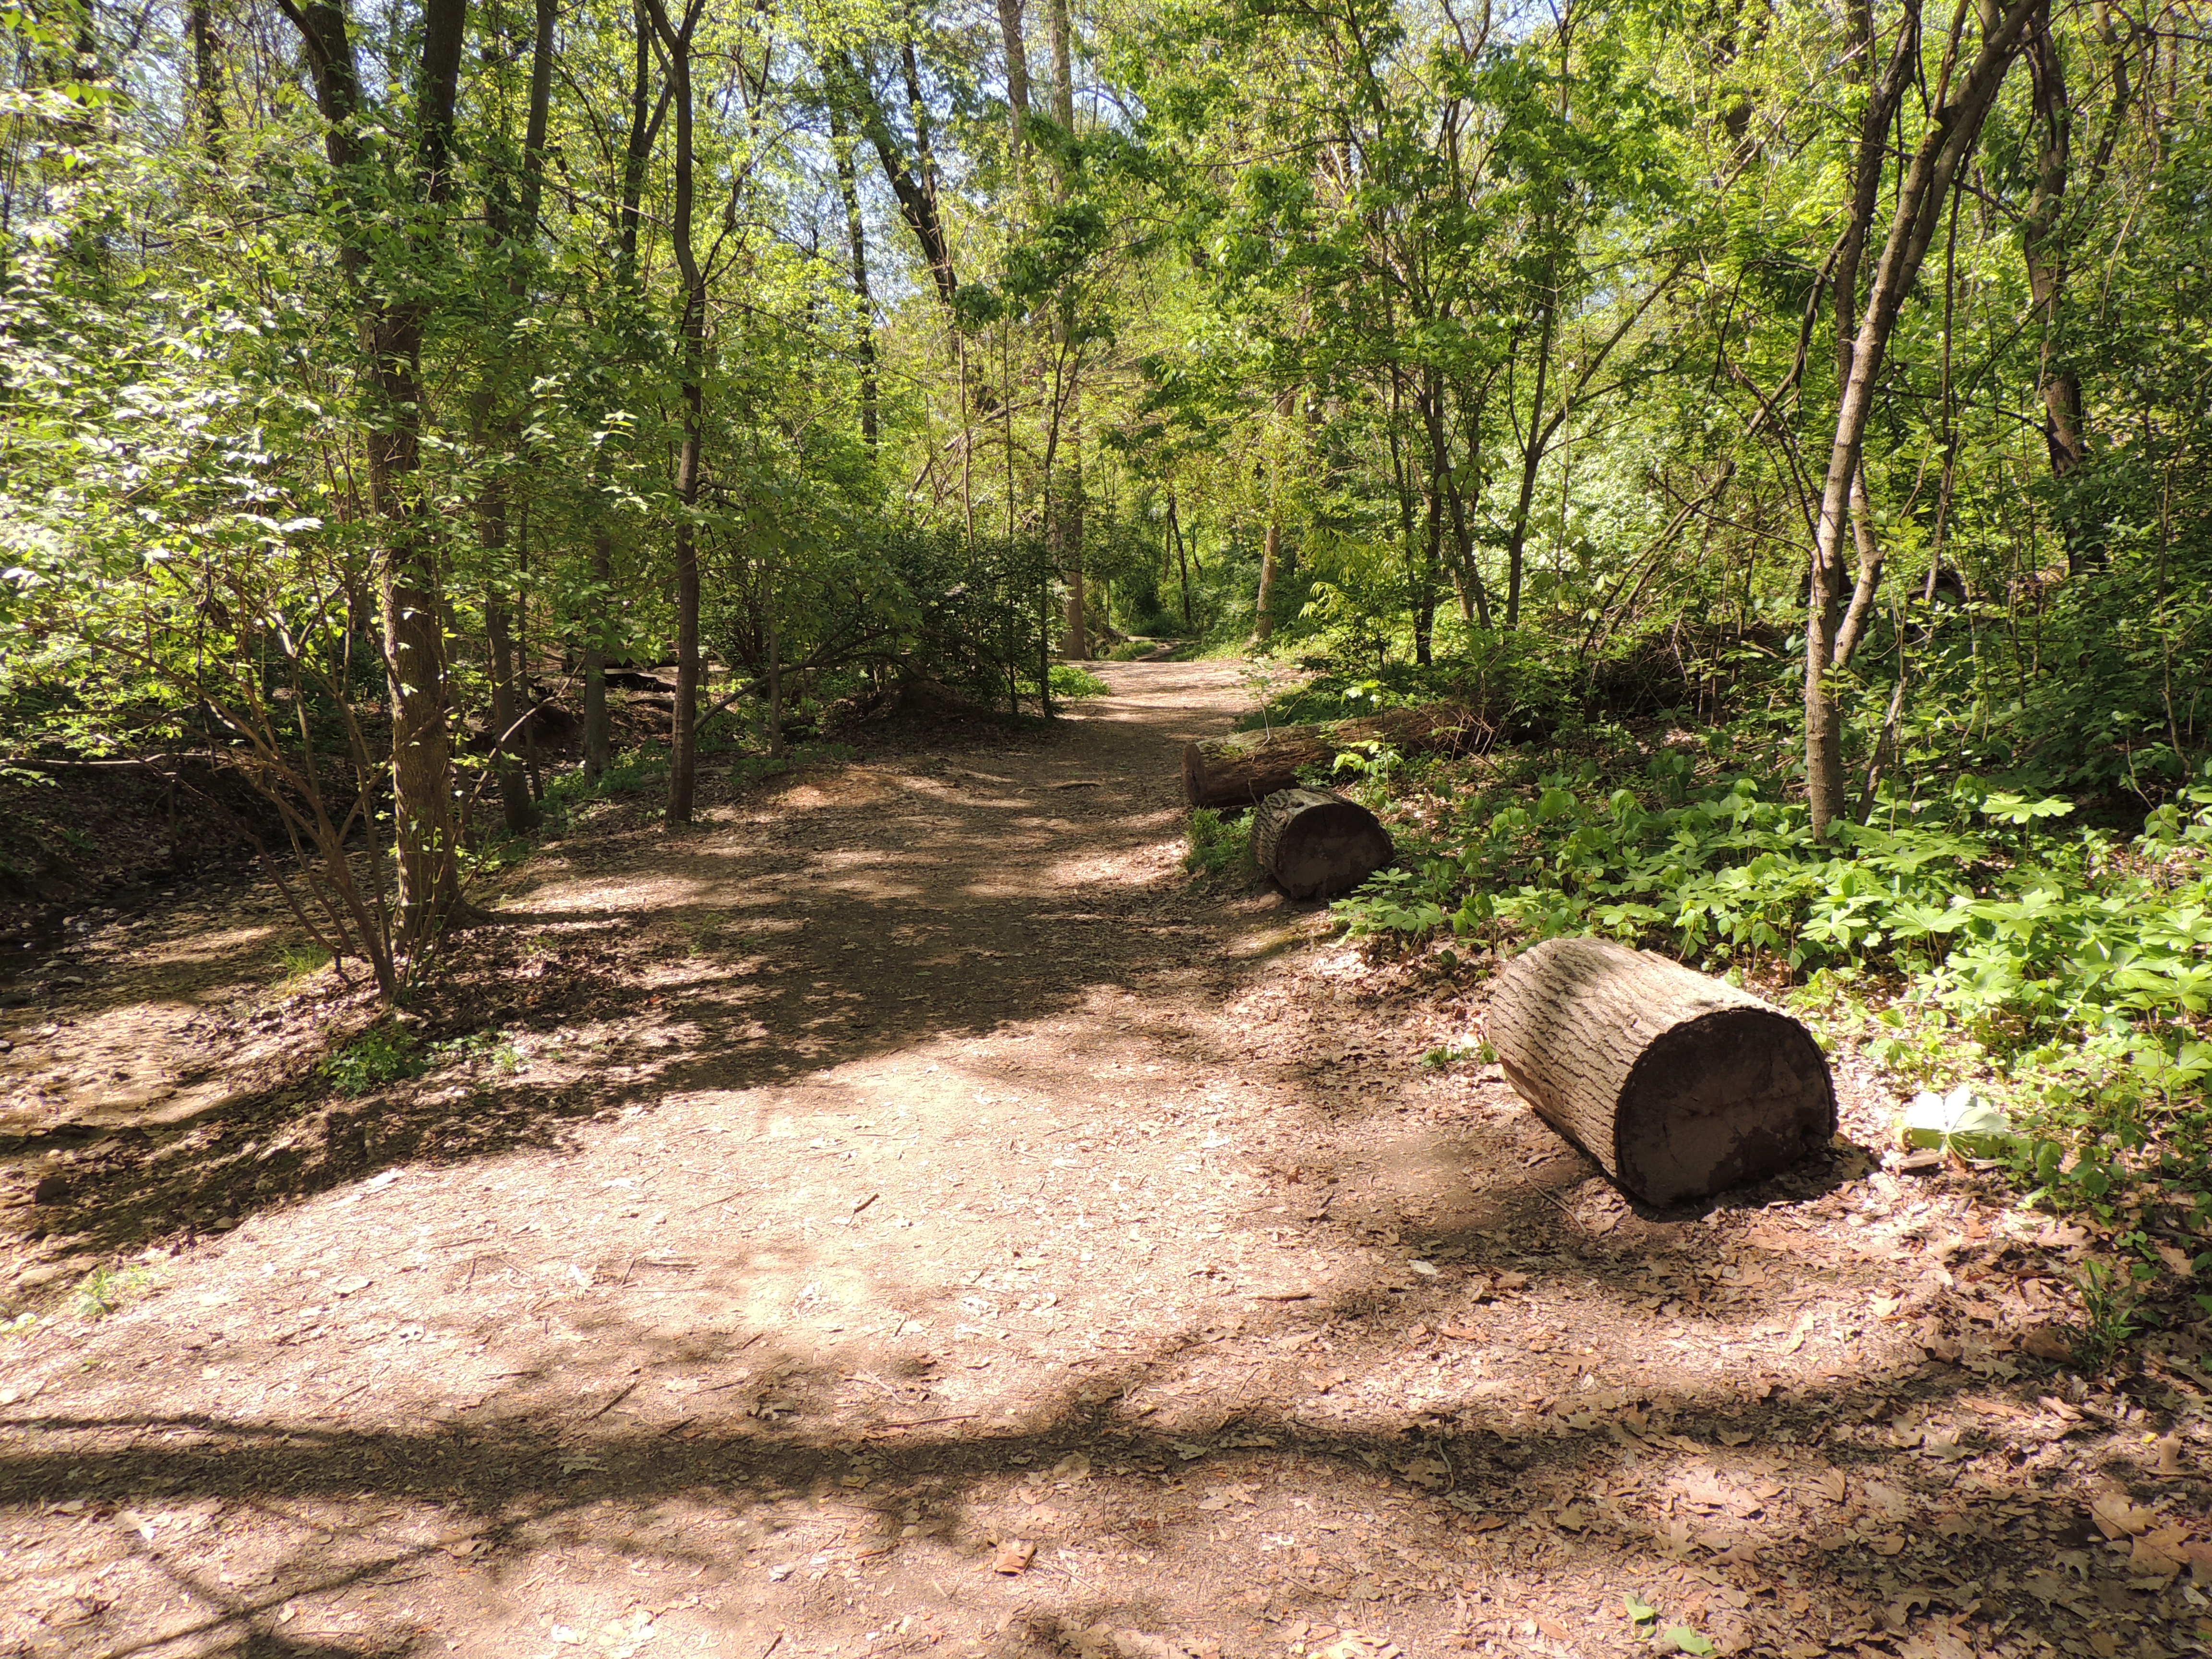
(598, 745)
(1017, 70)
(1473, 597)
(1062, 37)
(1952, 133)
(917, 196)
(1183, 560)
(517, 810)
(207, 91)
(683, 724)
(1068, 554)
(1531, 461)
(864, 326)
(513, 229)
(2060, 386)
(1271, 551)
(1678, 1084)
(1316, 844)
(1245, 768)
(412, 607)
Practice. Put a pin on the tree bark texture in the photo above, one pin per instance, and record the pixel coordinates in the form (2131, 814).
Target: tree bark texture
(1018, 69)
(1678, 1084)
(1315, 844)
(1245, 768)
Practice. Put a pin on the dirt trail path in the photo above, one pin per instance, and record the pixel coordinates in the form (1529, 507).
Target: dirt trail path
(935, 1224)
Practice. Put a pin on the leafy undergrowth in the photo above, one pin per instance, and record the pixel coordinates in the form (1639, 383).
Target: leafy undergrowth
(1979, 935)
(1220, 844)
(1071, 681)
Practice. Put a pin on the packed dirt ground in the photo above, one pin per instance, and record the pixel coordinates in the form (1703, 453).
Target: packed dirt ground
(907, 1213)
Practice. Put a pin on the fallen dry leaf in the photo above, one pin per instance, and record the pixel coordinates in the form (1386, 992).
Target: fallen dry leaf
(2157, 1553)
(2118, 1515)
(1014, 1557)
(1222, 1497)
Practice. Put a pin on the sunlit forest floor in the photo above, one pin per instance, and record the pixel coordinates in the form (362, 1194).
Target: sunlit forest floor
(907, 1214)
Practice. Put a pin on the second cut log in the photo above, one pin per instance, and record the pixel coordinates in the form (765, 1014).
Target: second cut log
(1247, 768)
(1681, 1085)
(1317, 845)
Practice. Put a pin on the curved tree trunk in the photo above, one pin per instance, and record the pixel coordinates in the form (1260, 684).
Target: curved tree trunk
(1678, 1084)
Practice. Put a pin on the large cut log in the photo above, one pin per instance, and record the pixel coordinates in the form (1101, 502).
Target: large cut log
(1316, 844)
(1247, 768)
(1681, 1085)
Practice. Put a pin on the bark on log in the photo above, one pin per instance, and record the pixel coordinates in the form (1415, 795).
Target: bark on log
(1678, 1084)
(1245, 768)
(1316, 844)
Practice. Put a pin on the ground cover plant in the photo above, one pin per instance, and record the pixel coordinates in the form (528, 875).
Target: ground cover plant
(1977, 937)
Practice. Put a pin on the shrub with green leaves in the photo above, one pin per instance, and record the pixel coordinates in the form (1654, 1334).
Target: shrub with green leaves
(382, 1055)
(2075, 965)
(1220, 843)
(1071, 681)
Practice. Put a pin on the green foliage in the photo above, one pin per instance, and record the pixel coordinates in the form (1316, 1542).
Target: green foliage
(2109, 1301)
(104, 1289)
(383, 1054)
(495, 1049)
(1071, 680)
(1221, 843)
(2074, 964)
(300, 958)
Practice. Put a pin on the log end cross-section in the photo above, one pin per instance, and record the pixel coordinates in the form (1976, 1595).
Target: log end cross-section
(1681, 1085)
(1315, 844)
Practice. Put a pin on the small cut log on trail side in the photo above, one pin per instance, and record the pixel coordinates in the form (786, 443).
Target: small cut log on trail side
(1315, 844)
(1245, 770)
(1678, 1084)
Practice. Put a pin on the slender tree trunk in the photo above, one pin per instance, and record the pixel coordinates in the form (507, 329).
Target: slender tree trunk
(1953, 131)
(637, 149)
(413, 608)
(1018, 70)
(517, 810)
(683, 759)
(2057, 383)
(513, 229)
(207, 88)
(916, 192)
(1473, 598)
(1425, 587)
(1066, 509)
(1270, 550)
(1066, 523)
(1062, 37)
(1532, 457)
(864, 326)
(598, 738)
(1183, 560)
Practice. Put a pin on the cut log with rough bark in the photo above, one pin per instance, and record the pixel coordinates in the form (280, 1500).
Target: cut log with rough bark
(1315, 844)
(1245, 770)
(1678, 1084)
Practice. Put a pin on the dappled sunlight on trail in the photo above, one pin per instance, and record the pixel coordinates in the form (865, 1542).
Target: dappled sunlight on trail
(909, 1163)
